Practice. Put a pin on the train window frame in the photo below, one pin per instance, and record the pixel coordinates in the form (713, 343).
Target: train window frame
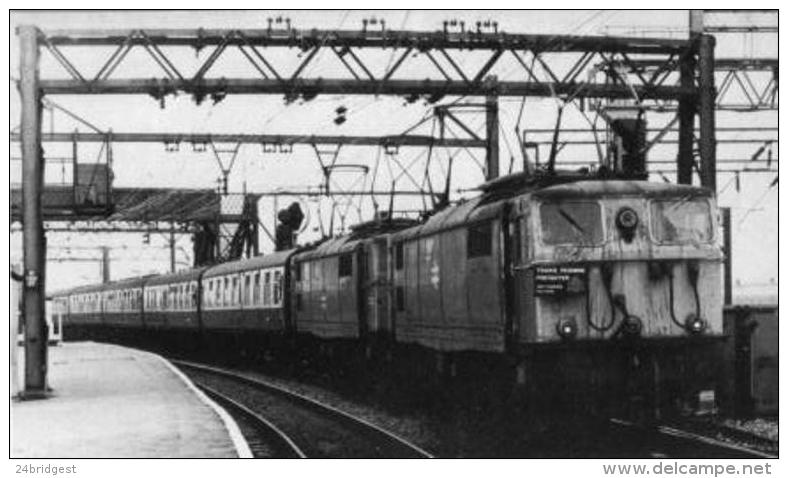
(247, 289)
(256, 288)
(345, 265)
(479, 245)
(266, 285)
(278, 287)
(600, 241)
(653, 229)
(399, 256)
(236, 287)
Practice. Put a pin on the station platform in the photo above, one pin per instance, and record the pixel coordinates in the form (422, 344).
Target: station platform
(109, 401)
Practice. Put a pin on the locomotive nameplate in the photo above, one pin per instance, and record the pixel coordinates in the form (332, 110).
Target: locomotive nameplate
(553, 281)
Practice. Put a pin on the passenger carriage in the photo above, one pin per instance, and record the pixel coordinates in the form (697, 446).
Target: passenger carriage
(122, 304)
(244, 303)
(172, 301)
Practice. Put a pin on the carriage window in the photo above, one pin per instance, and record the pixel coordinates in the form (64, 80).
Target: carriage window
(578, 223)
(399, 256)
(236, 291)
(400, 298)
(345, 265)
(277, 288)
(256, 291)
(267, 289)
(226, 292)
(480, 239)
(247, 288)
(681, 221)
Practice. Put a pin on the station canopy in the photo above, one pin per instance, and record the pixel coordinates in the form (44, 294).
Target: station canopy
(135, 205)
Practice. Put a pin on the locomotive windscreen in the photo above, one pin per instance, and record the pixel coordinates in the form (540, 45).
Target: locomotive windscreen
(681, 221)
(571, 223)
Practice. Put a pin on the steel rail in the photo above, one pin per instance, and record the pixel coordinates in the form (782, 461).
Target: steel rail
(284, 442)
(701, 440)
(311, 403)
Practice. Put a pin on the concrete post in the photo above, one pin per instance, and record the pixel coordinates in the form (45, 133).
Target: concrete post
(33, 228)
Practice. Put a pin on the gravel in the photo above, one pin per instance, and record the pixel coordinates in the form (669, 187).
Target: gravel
(763, 427)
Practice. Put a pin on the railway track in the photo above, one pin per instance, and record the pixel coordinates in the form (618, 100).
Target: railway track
(662, 441)
(291, 420)
(265, 439)
(729, 434)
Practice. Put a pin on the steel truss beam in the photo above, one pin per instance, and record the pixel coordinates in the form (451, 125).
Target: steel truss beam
(266, 140)
(444, 50)
(313, 87)
(744, 84)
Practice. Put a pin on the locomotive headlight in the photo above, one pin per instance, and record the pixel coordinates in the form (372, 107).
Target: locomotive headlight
(566, 328)
(694, 324)
(627, 219)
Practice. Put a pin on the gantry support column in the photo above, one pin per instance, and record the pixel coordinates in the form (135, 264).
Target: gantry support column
(706, 106)
(687, 107)
(492, 161)
(33, 228)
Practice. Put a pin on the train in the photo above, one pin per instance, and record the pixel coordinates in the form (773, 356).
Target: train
(560, 288)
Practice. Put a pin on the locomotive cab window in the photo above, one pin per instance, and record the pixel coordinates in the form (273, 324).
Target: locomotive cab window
(345, 265)
(578, 223)
(681, 221)
(480, 239)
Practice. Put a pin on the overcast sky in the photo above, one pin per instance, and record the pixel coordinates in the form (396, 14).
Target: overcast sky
(754, 204)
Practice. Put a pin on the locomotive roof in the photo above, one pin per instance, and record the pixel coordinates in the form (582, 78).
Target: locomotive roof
(597, 188)
(335, 245)
(274, 259)
(184, 276)
(476, 209)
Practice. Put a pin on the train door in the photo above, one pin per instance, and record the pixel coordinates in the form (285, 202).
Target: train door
(376, 290)
(521, 278)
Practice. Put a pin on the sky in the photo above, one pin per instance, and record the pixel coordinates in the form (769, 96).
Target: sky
(753, 203)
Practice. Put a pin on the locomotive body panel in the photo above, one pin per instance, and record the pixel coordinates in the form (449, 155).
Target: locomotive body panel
(658, 271)
(327, 290)
(450, 280)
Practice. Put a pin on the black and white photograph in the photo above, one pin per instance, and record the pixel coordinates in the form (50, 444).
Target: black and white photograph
(547, 235)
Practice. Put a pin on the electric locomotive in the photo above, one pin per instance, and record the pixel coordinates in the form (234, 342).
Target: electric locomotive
(566, 289)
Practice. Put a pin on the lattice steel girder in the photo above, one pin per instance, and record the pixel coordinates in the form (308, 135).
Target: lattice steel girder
(422, 40)
(265, 139)
(160, 88)
(456, 77)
